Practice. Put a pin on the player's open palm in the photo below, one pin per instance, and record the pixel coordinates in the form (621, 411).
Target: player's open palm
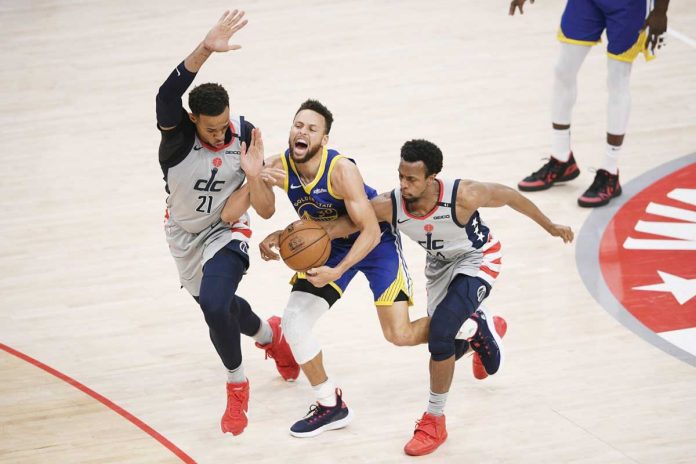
(252, 156)
(219, 36)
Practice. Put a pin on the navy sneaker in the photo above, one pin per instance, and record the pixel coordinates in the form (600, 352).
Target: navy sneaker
(486, 342)
(321, 418)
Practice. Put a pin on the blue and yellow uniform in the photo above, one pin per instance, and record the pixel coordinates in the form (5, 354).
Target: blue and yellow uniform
(383, 267)
(583, 21)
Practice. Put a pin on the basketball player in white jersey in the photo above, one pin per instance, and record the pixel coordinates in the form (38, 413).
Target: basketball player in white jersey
(200, 155)
(463, 261)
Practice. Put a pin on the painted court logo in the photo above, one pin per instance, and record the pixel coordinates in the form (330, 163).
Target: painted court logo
(645, 261)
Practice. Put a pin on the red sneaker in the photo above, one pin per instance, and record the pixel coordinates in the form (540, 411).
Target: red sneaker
(476, 365)
(429, 434)
(235, 418)
(279, 351)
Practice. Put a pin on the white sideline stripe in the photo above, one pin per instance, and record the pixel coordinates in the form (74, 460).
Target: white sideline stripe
(684, 38)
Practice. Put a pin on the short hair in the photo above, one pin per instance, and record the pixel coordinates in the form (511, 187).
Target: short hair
(422, 150)
(317, 107)
(209, 99)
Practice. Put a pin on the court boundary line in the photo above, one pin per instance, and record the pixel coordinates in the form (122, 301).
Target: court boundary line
(103, 400)
(683, 37)
(587, 257)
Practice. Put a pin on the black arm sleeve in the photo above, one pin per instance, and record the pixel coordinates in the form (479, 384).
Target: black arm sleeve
(168, 101)
(245, 135)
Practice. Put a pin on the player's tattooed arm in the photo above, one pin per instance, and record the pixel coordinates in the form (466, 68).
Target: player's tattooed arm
(473, 195)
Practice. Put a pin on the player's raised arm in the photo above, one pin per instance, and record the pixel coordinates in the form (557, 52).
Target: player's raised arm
(168, 101)
(473, 195)
(348, 184)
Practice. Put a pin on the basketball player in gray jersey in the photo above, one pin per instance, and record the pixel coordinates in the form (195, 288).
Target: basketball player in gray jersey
(200, 155)
(463, 261)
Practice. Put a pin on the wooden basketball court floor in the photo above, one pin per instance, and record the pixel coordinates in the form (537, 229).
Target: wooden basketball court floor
(88, 286)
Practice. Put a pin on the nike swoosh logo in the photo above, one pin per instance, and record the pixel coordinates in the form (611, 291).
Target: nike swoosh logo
(197, 148)
(295, 186)
(401, 221)
(178, 73)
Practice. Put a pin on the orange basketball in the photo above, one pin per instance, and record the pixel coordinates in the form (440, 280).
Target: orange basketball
(304, 244)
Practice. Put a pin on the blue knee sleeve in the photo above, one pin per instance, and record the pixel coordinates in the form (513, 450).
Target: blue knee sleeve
(463, 297)
(443, 328)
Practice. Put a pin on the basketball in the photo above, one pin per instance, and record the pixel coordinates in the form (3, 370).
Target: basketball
(304, 244)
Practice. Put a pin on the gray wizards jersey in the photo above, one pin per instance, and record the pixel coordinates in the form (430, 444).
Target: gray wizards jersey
(453, 247)
(200, 183)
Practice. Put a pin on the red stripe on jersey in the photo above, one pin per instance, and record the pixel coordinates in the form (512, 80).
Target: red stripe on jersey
(494, 249)
(489, 272)
(245, 232)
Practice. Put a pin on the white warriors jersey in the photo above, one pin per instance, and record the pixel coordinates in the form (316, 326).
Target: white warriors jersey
(199, 185)
(453, 247)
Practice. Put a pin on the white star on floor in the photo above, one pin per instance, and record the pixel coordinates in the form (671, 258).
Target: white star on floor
(682, 289)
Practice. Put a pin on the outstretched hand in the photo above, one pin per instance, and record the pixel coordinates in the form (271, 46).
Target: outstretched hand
(219, 36)
(252, 156)
(565, 232)
(515, 4)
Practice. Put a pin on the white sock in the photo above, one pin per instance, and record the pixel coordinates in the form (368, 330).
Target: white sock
(560, 144)
(436, 403)
(236, 375)
(325, 393)
(611, 158)
(265, 334)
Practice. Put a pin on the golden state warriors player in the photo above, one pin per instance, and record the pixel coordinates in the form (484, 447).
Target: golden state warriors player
(463, 261)
(629, 33)
(324, 185)
(200, 156)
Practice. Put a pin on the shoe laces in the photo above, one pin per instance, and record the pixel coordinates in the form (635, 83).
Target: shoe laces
(426, 425)
(600, 181)
(236, 407)
(316, 412)
(552, 165)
